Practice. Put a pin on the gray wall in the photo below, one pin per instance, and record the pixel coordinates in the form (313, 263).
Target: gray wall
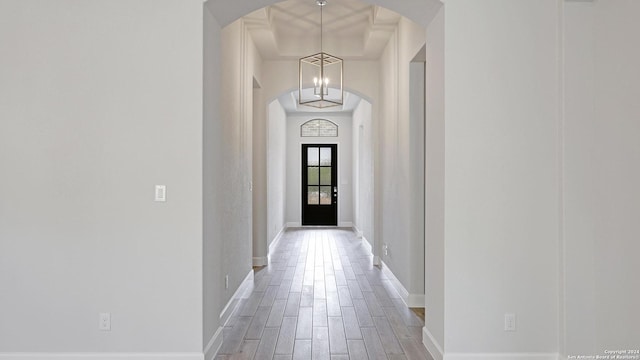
(501, 175)
(417, 176)
(259, 178)
(240, 64)
(363, 171)
(601, 204)
(276, 158)
(434, 183)
(398, 188)
(213, 276)
(99, 102)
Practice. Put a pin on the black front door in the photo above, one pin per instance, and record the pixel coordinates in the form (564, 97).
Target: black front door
(319, 184)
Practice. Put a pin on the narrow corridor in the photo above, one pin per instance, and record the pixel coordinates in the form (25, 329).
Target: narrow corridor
(321, 298)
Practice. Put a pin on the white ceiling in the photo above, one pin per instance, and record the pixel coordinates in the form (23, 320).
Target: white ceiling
(291, 29)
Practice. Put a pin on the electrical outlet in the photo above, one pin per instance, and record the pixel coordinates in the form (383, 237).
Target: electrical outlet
(385, 249)
(104, 321)
(226, 281)
(509, 322)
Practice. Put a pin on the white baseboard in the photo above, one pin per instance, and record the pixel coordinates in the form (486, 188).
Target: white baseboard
(230, 308)
(501, 356)
(345, 224)
(411, 300)
(276, 241)
(214, 345)
(359, 233)
(101, 356)
(367, 246)
(432, 345)
(261, 261)
(416, 300)
(293, 225)
(264, 260)
(377, 261)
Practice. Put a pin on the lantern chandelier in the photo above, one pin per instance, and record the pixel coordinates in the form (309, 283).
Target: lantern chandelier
(320, 76)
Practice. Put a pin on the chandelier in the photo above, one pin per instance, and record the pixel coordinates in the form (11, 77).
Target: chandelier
(320, 76)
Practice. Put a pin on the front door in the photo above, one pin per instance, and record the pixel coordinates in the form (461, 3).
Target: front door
(319, 184)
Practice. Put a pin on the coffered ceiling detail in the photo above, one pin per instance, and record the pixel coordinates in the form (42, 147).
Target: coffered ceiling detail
(291, 29)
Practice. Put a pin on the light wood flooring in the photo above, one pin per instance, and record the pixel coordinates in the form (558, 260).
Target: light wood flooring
(321, 298)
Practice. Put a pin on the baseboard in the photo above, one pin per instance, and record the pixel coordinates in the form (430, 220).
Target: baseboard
(276, 241)
(261, 261)
(359, 233)
(230, 308)
(367, 246)
(101, 356)
(214, 345)
(345, 224)
(411, 300)
(377, 261)
(416, 300)
(501, 356)
(432, 345)
(293, 225)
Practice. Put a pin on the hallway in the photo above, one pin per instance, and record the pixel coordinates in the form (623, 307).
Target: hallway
(320, 298)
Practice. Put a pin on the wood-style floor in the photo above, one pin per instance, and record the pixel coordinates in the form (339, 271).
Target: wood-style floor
(321, 298)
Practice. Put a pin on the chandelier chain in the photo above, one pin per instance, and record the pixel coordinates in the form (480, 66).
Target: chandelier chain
(321, 31)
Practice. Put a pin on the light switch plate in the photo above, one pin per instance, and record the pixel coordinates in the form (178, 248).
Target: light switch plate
(161, 193)
(509, 322)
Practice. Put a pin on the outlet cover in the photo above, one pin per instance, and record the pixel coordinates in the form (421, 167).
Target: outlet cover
(104, 322)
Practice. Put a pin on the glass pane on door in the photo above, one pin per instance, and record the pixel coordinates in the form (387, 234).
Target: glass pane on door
(325, 176)
(313, 195)
(325, 195)
(313, 156)
(325, 156)
(312, 176)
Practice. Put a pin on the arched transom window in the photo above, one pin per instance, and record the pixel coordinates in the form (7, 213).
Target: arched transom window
(319, 128)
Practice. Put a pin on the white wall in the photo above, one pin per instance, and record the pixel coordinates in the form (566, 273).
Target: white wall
(277, 169)
(417, 175)
(241, 64)
(345, 170)
(363, 171)
(601, 173)
(99, 102)
(501, 180)
(259, 180)
(213, 285)
(434, 185)
(398, 189)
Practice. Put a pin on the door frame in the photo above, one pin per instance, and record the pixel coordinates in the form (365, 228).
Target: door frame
(299, 185)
